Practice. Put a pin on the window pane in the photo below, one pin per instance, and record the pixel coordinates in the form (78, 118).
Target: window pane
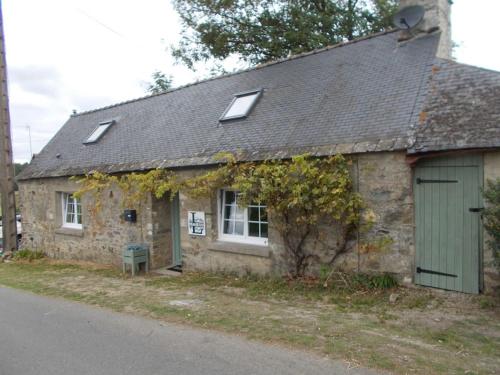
(239, 228)
(98, 132)
(229, 212)
(240, 214)
(263, 230)
(241, 105)
(253, 213)
(263, 213)
(253, 229)
(70, 217)
(70, 212)
(230, 197)
(228, 226)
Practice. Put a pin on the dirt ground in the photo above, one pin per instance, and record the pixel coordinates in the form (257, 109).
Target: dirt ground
(423, 331)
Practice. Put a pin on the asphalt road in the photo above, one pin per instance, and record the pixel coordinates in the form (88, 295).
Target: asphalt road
(40, 335)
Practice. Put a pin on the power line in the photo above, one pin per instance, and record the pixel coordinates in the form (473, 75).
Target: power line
(100, 23)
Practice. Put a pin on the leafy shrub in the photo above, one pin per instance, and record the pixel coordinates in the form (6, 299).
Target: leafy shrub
(492, 217)
(352, 282)
(385, 281)
(367, 281)
(29, 255)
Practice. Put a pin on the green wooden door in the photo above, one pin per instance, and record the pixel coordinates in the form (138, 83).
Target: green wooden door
(176, 232)
(448, 233)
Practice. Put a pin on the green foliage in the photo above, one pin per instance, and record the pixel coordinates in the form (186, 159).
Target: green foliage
(385, 281)
(161, 83)
(357, 281)
(308, 198)
(28, 255)
(18, 168)
(264, 30)
(491, 217)
(136, 187)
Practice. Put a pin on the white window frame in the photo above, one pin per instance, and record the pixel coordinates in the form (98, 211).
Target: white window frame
(102, 128)
(245, 238)
(255, 93)
(64, 206)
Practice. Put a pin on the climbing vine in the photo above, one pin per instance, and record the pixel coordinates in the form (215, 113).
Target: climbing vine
(492, 217)
(308, 198)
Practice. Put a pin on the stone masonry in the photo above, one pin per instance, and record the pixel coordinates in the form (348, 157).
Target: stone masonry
(104, 233)
(383, 179)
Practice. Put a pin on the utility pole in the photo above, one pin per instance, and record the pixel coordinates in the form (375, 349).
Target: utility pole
(7, 183)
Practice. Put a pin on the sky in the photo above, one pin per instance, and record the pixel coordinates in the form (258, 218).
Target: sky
(65, 55)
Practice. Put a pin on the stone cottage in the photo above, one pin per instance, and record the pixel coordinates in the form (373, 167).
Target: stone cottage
(423, 132)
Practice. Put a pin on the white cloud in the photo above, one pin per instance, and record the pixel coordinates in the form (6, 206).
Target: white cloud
(83, 54)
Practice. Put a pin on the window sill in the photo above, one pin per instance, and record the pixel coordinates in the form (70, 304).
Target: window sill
(70, 231)
(240, 248)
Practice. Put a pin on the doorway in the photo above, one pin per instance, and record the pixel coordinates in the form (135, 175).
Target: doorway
(448, 206)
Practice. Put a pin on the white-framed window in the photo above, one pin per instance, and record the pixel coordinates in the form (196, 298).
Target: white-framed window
(99, 131)
(241, 224)
(241, 105)
(71, 211)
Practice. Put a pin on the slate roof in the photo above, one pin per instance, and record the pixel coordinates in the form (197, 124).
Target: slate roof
(360, 96)
(461, 111)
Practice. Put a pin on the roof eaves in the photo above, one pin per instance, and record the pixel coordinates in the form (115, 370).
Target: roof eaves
(375, 145)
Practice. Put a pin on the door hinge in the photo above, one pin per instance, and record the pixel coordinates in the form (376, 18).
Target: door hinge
(422, 270)
(423, 181)
(476, 209)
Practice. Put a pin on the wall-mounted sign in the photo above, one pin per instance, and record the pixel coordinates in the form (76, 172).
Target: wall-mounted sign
(196, 223)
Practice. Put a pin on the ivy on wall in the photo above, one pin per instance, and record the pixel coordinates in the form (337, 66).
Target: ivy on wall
(492, 217)
(308, 198)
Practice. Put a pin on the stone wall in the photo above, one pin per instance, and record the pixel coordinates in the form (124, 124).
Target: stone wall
(384, 180)
(206, 253)
(104, 234)
(491, 274)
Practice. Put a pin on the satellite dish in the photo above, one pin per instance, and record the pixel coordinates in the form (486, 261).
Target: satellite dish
(409, 17)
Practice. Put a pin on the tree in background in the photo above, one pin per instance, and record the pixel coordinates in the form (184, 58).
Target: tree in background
(18, 168)
(161, 83)
(263, 30)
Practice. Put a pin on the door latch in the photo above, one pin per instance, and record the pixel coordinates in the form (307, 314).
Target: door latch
(476, 209)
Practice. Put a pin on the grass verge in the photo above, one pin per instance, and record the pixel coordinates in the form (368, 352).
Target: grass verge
(423, 332)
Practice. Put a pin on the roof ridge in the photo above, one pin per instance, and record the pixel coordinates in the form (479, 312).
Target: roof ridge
(257, 67)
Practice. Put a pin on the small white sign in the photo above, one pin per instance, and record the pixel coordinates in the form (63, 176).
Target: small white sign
(196, 223)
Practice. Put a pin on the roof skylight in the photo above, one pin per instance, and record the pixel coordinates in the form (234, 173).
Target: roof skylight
(99, 131)
(241, 105)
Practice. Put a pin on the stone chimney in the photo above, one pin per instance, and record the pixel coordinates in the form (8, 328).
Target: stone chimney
(437, 17)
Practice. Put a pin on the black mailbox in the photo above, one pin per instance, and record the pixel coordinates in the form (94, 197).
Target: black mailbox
(130, 216)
